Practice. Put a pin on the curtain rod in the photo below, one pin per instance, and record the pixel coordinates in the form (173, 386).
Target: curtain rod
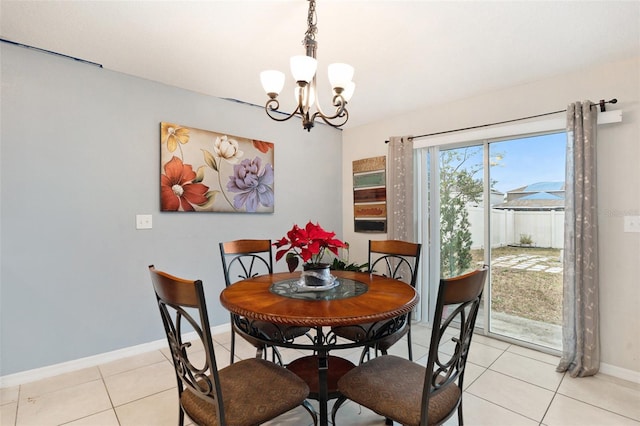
(601, 104)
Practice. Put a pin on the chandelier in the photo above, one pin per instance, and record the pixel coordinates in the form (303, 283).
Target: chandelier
(303, 68)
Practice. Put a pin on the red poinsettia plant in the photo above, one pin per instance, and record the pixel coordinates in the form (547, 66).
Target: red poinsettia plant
(309, 244)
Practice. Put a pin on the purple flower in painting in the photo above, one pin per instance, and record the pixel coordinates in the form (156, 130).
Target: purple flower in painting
(253, 183)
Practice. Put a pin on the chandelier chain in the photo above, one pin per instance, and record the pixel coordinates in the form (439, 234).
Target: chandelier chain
(312, 21)
(306, 85)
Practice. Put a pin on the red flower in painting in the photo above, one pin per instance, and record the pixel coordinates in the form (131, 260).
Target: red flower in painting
(177, 188)
(308, 243)
(262, 146)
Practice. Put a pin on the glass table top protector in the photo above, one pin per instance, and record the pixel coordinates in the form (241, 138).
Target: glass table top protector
(344, 289)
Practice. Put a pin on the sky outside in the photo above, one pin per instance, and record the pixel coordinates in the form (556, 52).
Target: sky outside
(523, 161)
(529, 160)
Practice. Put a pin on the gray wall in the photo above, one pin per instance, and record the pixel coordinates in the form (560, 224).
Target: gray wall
(79, 159)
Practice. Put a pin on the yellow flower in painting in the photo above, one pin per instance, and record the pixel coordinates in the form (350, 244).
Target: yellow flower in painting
(227, 148)
(172, 134)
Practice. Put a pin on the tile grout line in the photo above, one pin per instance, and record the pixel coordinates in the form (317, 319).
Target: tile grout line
(113, 408)
(601, 408)
(480, 375)
(555, 394)
(506, 408)
(590, 404)
(488, 368)
(532, 384)
(15, 422)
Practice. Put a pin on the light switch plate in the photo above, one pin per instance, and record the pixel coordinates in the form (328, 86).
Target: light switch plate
(144, 221)
(632, 224)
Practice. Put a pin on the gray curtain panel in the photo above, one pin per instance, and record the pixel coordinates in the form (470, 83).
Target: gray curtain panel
(400, 215)
(580, 310)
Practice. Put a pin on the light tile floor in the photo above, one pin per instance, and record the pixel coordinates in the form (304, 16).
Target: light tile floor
(504, 385)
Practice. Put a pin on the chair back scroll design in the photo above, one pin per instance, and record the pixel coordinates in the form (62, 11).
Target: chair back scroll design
(243, 259)
(246, 259)
(383, 383)
(460, 296)
(174, 296)
(399, 260)
(255, 390)
(393, 259)
(396, 259)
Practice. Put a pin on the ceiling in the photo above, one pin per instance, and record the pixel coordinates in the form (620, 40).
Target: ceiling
(407, 54)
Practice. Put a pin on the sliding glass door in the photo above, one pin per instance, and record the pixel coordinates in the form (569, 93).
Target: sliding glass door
(527, 239)
(453, 216)
(507, 195)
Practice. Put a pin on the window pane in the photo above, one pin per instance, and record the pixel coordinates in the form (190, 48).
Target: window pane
(461, 211)
(527, 238)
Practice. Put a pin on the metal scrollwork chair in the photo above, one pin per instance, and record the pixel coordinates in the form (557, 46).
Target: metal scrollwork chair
(408, 393)
(395, 259)
(249, 392)
(242, 259)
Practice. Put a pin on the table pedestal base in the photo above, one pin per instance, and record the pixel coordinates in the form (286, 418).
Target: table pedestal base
(307, 369)
(321, 373)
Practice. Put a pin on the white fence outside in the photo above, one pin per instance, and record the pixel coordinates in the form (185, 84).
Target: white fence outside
(546, 228)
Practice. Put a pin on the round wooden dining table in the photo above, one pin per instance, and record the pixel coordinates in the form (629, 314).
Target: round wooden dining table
(355, 298)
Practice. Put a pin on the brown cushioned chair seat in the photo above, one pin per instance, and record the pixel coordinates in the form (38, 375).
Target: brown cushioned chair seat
(253, 390)
(377, 384)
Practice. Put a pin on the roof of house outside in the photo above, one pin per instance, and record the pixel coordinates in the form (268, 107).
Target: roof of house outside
(537, 196)
(540, 186)
(541, 196)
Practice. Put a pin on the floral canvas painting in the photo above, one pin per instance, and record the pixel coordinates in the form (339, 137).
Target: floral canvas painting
(204, 171)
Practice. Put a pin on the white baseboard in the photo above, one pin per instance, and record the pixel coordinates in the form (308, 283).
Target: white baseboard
(621, 373)
(92, 361)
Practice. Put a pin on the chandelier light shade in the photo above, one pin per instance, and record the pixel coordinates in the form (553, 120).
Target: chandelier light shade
(303, 69)
(272, 81)
(340, 76)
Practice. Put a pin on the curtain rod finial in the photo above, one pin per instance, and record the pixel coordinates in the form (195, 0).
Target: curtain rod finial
(602, 103)
(602, 107)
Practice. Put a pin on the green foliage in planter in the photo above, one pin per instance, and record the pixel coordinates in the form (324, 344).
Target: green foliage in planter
(340, 265)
